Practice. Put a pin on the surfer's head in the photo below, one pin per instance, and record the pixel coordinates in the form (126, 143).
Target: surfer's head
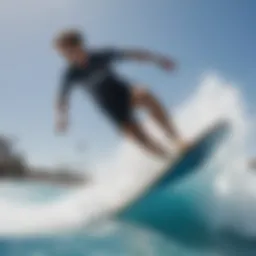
(71, 45)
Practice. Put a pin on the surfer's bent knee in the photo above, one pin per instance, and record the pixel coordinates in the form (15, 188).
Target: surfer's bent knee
(139, 95)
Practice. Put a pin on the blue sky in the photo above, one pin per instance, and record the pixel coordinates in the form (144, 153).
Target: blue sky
(202, 35)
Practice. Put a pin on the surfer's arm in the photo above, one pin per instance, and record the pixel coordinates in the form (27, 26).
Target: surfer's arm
(61, 115)
(62, 107)
(148, 56)
(252, 163)
(139, 55)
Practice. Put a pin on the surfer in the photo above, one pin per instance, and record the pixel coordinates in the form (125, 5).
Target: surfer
(116, 97)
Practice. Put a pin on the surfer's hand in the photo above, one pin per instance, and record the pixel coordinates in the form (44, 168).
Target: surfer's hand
(61, 126)
(166, 64)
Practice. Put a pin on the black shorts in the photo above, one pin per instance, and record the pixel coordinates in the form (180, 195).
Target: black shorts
(114, 97)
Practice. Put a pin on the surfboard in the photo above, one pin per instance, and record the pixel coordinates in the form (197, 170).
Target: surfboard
(150, 208)
(197, 154)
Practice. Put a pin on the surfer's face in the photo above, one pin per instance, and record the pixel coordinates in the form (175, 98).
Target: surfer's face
(73, 54)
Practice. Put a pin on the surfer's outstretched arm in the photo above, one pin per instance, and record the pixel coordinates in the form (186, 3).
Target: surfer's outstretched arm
(148, 56)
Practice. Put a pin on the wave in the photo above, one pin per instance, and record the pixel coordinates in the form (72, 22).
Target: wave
(229, 183)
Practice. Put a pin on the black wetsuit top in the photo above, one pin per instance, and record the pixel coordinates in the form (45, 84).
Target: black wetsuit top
(111, 93)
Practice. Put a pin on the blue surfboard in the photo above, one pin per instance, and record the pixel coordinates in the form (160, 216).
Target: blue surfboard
(152, 208)
(197, 154)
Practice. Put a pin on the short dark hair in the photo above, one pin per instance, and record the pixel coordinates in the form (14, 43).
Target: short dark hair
(69, 38)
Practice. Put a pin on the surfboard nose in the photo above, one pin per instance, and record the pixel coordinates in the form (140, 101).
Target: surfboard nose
(197, 154)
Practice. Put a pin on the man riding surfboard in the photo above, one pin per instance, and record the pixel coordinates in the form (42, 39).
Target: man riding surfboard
(116, 97)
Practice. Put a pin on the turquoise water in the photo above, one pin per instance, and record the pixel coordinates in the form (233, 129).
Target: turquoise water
(190, 236)
(192, 232)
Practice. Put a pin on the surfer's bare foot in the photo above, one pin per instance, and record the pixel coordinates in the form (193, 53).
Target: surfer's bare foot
(182, 145)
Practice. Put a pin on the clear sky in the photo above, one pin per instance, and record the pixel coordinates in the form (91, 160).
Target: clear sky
(202, 35)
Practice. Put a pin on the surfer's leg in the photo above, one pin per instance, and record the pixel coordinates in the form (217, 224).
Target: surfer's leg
(117, 105)
(135, 131)
(143, 98)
